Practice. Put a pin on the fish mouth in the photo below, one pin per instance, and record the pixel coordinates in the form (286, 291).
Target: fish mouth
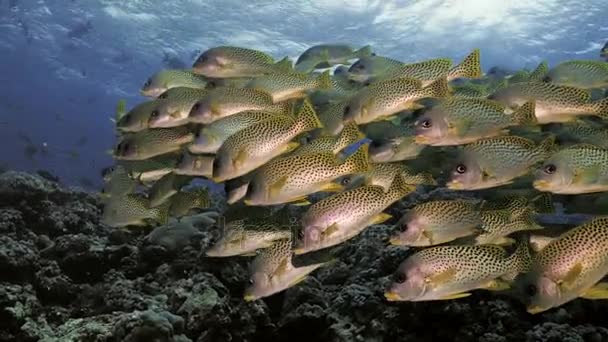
(455, 185)
(421, 140)
(392, 297)
(541, 185)
(534, 309)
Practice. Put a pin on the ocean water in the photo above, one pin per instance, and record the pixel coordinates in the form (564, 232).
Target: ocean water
(64, 64)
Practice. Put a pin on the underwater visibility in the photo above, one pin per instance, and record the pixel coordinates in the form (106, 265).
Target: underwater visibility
(304, 171)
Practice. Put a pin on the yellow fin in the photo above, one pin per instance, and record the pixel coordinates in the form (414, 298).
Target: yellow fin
(290, 147)
(496, 285)
(571, 276)
(298, 280)
(215, 109)
(332, 187)
(587, 176)
(598, 291)
(429, 236)
(275, 188)
(442, 277)
(240, 158)
(331, 229)
(456, 296)
(382, 217)
(299, 201)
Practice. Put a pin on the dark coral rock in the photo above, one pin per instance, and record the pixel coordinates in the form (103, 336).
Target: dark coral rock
(149, 326)
(18, 259)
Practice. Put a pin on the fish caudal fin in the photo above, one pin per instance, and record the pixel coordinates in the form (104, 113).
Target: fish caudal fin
(350, 134)
(307, 117)
(358, 162)
(600, 108)
(470, 67)
(525, 115)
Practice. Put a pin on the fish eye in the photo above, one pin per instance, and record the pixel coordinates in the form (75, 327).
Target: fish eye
(367, 83)
(550, 169)
(251, 281)
(346, 110)
(547, 79)
(154, 114)
(126, 119)
(163, 95)
(301, 233)
(426, 123)
(461, 168)
(202, 59)
(180, 158)
(197, 134)
(345, 181)
(400, 278)
(531, 290)
(148, 82)
(196, 107)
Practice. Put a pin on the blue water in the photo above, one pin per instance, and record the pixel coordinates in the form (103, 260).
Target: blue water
(65, 63)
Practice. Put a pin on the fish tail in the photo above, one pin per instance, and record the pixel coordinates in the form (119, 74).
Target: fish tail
(202, 198)
(324, 80)
(543, 203)
(524, 115)
(547, 146)
(284, 65)
(307, 118)
(521, 259)
(425, 178)
(365, 51)
(358, 162)
(161, 216)
(438, 89)
(540, 72)
(470, 67)
(350, 134)
(600, 108)
(400, 188)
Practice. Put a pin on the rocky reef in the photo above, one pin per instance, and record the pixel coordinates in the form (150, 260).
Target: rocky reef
(65, 277)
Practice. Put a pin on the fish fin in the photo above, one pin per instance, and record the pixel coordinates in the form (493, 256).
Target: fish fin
(332, 187)
(307, 117)
(525, 114)
(587, 176)
(298, 280)
(496, 285)
(380, 218)
(215, 108)
(571, 276)
(443, 277)
(358, 162)
(290, 147)
(324, 80)
(470, 67)
(365, 51)
(175, 114)
(240, 158)
(331, 229)
(299, 201)
(504, 241)
(598, 291)
(439, 88)
(462, 127)
(539, 73)
(543, 203)
(275, 188)
(284, 65)
(429, 236)
(121, 109)
(350, 134)
(547, 145)
(455, 296)
(400, 186)
(251, 254)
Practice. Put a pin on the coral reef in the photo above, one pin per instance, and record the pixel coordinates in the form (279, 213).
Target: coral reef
(65, 277)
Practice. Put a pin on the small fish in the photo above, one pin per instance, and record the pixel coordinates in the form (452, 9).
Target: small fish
(171, 78)
(436, 222)
(175, 111)
(349, 135)
(383, 99)
(577, 169)
(223, 102)
(586, 74)
(553, 103)
(183, 202)
(451, 272)
(583, 132)
(182, 92)
(331, 116)
(429, 71)
(459, 121)
(326, 55)
(166, 187)
(244, 237)
(373, 67)
(391, 143)
(150, 170)
(138, 117)
(290, 86)
(236, 188)
(257, 144)
(339, 218)
(292, 178)
(483, 162)
(231, 61)
(133, 210)
(118, 183)
(569, 267)
(382, 174)
(272, 271)
(153, 142)
(498, 224)
(209, 138)
(194, 165)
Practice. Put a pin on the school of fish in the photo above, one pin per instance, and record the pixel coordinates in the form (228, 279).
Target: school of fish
(346, 133)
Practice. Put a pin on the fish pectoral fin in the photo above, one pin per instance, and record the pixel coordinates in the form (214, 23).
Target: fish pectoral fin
(249, 254)
(331, 229)
(504, 241)
(299, 201)
(598, 291)
(429, 236)
(332, 187)
(443, 277)
(240, 158)
(587, 176)
(215, 109)
(175, 114)
(275, 188)
(380, 218)
(290, 147)
(496, 285)
(462, 127)
(455, 296)
(571, 276)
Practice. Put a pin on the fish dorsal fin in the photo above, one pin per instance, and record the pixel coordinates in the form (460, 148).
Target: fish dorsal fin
(442, 277)
(571, 276)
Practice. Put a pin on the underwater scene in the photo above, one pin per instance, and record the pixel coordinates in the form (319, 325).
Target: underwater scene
(362, 170)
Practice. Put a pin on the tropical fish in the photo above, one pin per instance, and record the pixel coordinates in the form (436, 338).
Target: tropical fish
(331, 116)
(577, 169)
(150, 170)
(285, 86)
(391, 143)
(138, 117)
(326, 55)
(451, 272)
(194, 165)
(184, 202)
(349, 135)
(538, 74)
(153, 142)
(133, 210)
(223, 102)
(243, 237)
(257, 144)
(372, 67)
(429, 71)
(382, 174)
(272, 271)
(171, 78)
(569, 267)
(483, 162)
(460, 121)
(498, 224)
(338, 218)
(584, 74)
(169, 185)
(230, 61)
(582, 131)
(118, 183)
(174, 112)
(292, 178)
